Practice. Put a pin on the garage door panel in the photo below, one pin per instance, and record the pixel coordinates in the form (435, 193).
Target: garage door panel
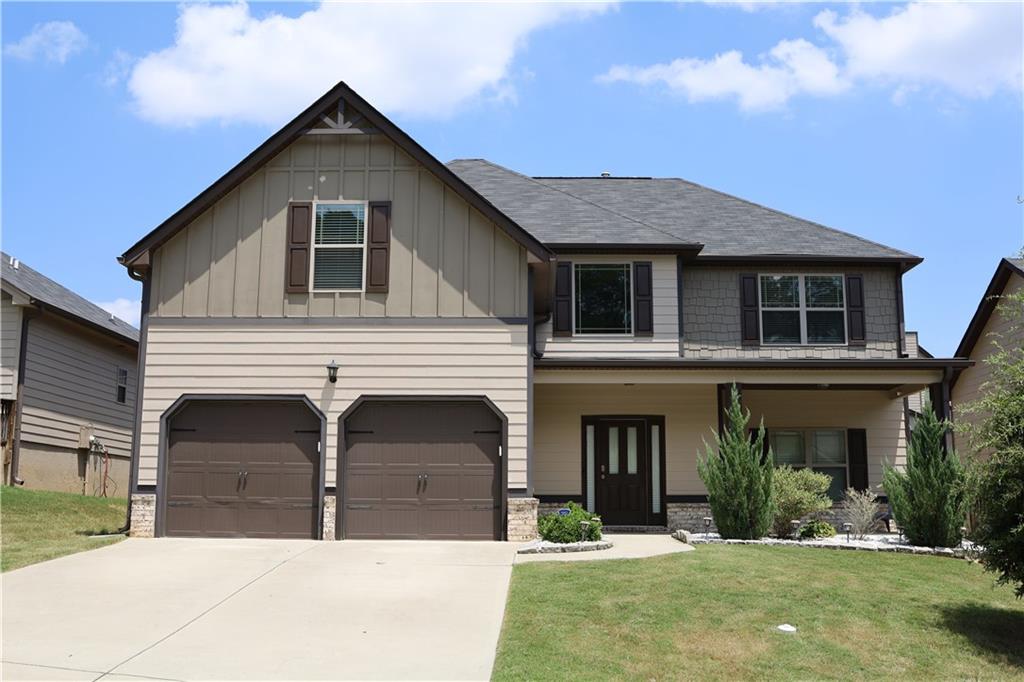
(243, 468)
(454, 447)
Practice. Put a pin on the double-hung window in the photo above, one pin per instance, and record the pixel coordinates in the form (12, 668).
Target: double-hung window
(823, 450)
(802, 309)
(603, 298)
(339, 246)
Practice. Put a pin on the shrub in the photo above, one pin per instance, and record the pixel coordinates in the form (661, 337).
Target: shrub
(928, 499)
(798, 492)
(817, 529)
(566, 529)
(861, 512)
(738, 477)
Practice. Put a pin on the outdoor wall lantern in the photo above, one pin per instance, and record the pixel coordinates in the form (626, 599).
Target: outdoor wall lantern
(332, 371)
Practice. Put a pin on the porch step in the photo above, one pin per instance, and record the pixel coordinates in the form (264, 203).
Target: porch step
(634, 529)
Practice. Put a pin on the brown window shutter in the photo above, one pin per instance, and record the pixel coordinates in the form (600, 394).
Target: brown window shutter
(857, 452)
(855, 323)
(378, 247)
(563, 299)
(300, 226)
(643, 299)
(749, 324)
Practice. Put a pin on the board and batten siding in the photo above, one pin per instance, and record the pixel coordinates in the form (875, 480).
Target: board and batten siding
(447, 260)
(968, 387)
(664, 343)
(71, 381)
(288, 358)
(10, 347)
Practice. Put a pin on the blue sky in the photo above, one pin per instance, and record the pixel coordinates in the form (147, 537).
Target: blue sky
(900, 123)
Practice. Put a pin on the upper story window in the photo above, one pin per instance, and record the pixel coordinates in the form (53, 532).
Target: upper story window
(603, 298)
(802, 309)
(339, 246)
(121, 392)
(822, 450)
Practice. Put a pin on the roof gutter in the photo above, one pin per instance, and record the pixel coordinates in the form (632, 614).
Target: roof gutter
(683, 363)
(671, 248)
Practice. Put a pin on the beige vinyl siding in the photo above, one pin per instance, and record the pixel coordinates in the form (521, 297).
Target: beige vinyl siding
(968, 386)
(71, 381)
(711, 314)
(663, 344)
(10, 343)
(874, 411)
(447, 260)
(289, 359)
(689, 411)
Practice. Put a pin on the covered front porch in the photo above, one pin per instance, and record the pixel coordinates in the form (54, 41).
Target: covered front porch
(624, 441)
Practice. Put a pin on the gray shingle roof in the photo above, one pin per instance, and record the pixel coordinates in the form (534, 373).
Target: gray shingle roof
(40, 287)
(657, 210)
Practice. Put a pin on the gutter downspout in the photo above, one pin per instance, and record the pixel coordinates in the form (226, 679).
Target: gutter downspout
(140, 366)
(26, 315)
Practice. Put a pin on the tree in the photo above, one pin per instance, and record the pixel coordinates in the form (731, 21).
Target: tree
(738, 476)
(998, 483)
(928, 499)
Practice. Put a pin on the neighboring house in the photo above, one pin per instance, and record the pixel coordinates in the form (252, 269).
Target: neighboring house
(345, 338)
(67, 380)
(988, 327)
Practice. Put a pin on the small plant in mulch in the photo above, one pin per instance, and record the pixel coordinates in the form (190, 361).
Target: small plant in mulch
(817, 529)
(570, 527)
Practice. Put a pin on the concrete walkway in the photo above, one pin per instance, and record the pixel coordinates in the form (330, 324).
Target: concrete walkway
(258, 610)
(637, 546)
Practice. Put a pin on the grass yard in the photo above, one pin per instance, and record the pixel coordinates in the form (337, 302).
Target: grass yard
(712, 613)
(37, 525)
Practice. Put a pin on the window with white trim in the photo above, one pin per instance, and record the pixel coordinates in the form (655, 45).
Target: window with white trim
(823, 450)
(121, 391)
(603, 298)
(339, 246)
(802, 309)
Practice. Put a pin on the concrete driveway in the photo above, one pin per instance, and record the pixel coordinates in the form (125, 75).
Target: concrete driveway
(258, 610)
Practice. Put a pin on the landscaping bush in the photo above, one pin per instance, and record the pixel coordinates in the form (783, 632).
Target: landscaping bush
(798, 492)
(738, 477)
(566, 529)
(861, 512)
(817, 529)
(928, 499)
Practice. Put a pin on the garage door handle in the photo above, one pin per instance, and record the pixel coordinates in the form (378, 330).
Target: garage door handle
(245, 478)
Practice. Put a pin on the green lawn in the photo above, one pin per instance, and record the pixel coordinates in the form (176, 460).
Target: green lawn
(712, 613)
(36, 525)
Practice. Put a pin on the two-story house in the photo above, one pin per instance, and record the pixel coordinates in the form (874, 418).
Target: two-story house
(345, 338)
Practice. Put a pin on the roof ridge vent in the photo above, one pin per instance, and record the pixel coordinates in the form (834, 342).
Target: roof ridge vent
(606, 174)
(15, 262)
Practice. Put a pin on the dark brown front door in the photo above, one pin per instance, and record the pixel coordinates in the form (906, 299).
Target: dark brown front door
(622, 474)
(243, 469)
(422, 471)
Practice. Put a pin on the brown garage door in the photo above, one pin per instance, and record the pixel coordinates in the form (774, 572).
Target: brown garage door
(422, 471)
(243, 469)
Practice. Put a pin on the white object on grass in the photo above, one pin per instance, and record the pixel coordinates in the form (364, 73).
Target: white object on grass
(786, 627)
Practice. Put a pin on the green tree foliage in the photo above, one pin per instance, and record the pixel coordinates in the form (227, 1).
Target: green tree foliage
(928, 499)
(998, 486)
(798, 492)
(738, 477)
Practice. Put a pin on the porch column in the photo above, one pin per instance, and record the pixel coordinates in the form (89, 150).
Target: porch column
(724, 395)
(938, 394)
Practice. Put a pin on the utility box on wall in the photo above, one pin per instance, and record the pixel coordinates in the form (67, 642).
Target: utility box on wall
(85, 434)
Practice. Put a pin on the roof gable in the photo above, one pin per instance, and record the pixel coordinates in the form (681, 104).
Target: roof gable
(61, 300)
(1007, 268)
(340, 98)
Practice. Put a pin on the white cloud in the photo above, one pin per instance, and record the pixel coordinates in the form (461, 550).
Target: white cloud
(971, 49)
(422, 59)
(791, 68)
(54, 41)
(126, 309)
(117, 68)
